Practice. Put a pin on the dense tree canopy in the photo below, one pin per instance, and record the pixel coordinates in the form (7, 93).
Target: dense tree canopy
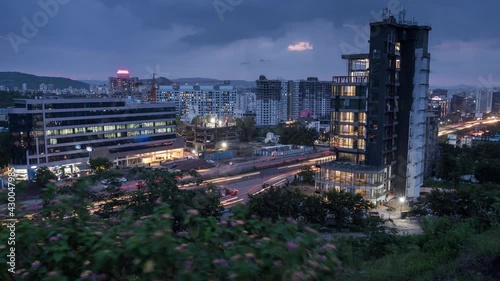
(335, 208)
(43, 175)
(174, 235)
(100, 164)
(247, 129)
(298, 134)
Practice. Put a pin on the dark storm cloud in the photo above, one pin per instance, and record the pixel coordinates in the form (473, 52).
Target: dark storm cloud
(237, 39)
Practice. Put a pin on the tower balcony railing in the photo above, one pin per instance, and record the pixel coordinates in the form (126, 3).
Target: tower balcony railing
(349, 79)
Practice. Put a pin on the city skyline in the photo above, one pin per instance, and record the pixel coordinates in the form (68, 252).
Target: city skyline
(236, 39)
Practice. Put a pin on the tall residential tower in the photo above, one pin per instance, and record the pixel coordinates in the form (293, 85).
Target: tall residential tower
(379, 114)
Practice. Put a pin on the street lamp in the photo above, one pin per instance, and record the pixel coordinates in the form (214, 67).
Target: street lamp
(402, 201)
(89, 149)
(224, 145)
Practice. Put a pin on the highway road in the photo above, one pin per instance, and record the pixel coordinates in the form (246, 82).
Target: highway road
(450, 129)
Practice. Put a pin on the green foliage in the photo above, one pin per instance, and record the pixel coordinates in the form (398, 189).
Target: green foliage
(344, 209)
(480, 160)
(449, 249)
(65, 242)
(43, 175)
(100, 164)
(7, 98)
(307, 175)
(160, 187)
(246, 127)
(298, 134)
(473, 201)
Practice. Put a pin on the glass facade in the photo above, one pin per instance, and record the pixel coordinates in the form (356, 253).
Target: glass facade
(50, 131)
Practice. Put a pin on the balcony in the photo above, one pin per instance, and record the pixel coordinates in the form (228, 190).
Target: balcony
(349, 79)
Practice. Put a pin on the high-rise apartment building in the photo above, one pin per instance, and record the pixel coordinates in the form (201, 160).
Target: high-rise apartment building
(314, 96)
(293, 105)
(379, 115)
(270, 103)
(123, 85)
(204, 101)
(495, 102)
(484, 99)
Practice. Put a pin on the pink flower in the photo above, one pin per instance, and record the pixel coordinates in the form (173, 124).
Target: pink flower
(291, 245)
(329, 247)
(222, 262)
(298, 276)
(36, 264)
(53, 239)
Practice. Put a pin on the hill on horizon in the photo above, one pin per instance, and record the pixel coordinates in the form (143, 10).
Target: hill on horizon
(13, 79)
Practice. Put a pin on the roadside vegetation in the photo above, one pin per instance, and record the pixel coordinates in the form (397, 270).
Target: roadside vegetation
(162, 232)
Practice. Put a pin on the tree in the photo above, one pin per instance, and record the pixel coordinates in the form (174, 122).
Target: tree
(43, 175)
(162, 186)
(298, 134)
(281, 203)
(307, 175)
(246, 127)
(100, 164)
(346, 208)
(69, 244)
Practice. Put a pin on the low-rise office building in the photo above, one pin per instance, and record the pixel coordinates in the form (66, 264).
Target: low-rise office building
(64, 134)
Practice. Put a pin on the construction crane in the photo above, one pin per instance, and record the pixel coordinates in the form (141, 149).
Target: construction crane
(153, 88)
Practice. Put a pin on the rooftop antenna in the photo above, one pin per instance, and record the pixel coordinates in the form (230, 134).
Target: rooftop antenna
(402, 16)
(385, 13)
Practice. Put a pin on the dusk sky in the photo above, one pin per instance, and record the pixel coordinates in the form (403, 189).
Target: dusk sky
(237, 39)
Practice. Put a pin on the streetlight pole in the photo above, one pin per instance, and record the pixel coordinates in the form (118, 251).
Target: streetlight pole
(402, 201)
(89, 149)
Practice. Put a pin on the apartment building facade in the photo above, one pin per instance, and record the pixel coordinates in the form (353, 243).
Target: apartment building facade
(198, 100)
(379, 114)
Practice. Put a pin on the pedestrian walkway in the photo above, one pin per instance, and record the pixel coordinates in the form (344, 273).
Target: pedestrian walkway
(392, 211)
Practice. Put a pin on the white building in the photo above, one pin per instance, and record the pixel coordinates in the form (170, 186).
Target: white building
(484, 98)
(203, 101)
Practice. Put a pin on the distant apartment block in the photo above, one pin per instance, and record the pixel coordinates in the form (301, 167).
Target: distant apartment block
(293, 103)
(245, 104)
(484, 98)
(495, 104)
(441, 105)
(123, 85)
(63, 134)
(271, 102)
(212, 135)
(204, 101)
(315, 96)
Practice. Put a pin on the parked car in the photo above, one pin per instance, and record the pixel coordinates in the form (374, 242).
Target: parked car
(123, 179)
(231, 163)
(140, 183)
(228, 192)
(105, 181)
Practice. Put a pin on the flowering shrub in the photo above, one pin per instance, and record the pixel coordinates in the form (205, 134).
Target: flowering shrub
(66, 242)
